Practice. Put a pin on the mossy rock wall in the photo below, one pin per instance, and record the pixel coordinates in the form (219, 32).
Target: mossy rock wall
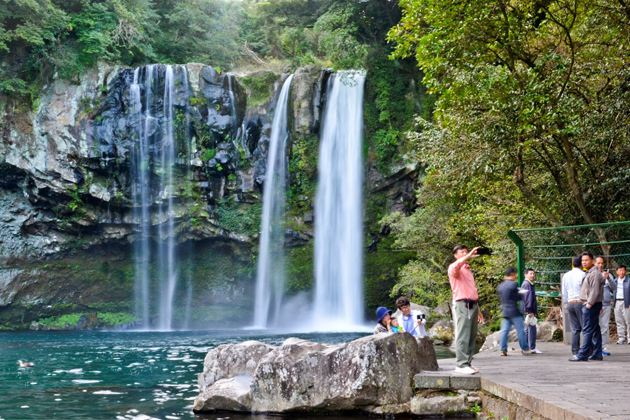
(101, 280)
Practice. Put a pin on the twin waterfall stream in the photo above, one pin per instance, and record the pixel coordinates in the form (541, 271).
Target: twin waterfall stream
(337, 302)
(162, 155)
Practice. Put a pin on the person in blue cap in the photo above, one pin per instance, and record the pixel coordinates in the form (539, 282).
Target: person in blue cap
(384, 320)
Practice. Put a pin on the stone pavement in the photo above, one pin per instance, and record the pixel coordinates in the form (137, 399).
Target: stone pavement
(551, 386)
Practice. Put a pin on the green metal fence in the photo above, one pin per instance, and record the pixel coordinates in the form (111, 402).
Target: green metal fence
(549, 251)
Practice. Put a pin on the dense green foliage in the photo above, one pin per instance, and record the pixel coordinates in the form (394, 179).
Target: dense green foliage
(303, 178)
(239, 218)
(104, 319)
(40, 38)
(381, 274)
(300, 269)
(530, 128)
(393, 96)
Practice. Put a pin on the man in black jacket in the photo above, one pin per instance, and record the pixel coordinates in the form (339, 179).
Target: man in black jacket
(530, 309)
(509, 296)
(592, 294)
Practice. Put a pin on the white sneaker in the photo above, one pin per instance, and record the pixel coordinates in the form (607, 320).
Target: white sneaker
(536, 351)
(465, 370)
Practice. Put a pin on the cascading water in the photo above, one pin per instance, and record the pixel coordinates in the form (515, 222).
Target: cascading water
(270, 274)
(338, 301)
(154, 152)
(140, 192)
(166, 157)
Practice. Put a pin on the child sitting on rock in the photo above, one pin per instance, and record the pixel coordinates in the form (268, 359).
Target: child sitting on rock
(395, 327)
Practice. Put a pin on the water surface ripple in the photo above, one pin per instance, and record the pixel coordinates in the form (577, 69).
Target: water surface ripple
(115, 375)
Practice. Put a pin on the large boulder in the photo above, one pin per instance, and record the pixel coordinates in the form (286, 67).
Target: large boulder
(548, 331)
(545, 331)
(229, 360)
(443, 309)
(493, 341)
(442, 331)
(302, 376)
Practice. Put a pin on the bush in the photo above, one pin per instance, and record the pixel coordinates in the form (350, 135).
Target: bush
(237, 218)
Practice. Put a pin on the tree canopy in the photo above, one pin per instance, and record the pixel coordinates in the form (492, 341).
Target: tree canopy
(41, 37)
(535, 92)
(530, 128)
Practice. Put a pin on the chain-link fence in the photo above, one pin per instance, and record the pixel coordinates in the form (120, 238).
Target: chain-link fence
(549, 251)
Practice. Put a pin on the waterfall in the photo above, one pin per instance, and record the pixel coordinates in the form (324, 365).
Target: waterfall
(166, 156)
(153, 160)
(338, 213)
(270, 274)
(140, 192)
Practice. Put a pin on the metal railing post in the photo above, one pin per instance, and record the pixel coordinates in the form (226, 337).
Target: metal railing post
(520, 255)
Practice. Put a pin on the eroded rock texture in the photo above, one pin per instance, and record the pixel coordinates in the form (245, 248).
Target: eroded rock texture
(302, 376)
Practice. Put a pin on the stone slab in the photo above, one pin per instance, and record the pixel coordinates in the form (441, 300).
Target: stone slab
(552, 387)
(450, 380)
(422, 406)
(432, 381)
(466, 382)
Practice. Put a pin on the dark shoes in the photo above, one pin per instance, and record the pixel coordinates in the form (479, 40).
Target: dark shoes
(503, 353)
(576, 359)
(595, 358)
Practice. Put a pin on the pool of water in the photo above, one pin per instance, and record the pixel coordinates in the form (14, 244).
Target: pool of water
(117, 375)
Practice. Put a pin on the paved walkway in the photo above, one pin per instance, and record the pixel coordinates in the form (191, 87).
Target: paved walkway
(551, 386)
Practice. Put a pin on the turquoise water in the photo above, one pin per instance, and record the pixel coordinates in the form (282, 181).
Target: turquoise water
(116, 375)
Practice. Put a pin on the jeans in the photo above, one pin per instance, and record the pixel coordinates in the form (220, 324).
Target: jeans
(592, 344)
(506, 324)
(604, 323)
(466, 332)
(575, 316)
(530, 333)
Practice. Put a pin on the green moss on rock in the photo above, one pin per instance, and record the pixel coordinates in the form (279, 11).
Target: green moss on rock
(299, 274)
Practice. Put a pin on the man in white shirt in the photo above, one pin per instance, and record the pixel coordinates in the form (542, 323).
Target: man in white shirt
(410, 321)
(622, 305)
(571, 284)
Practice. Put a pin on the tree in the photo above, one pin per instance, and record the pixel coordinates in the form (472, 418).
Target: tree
(535, 92)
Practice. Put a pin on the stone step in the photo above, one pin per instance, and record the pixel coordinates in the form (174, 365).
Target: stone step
(447, 380)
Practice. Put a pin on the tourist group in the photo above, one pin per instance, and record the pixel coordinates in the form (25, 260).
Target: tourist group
(587, 293)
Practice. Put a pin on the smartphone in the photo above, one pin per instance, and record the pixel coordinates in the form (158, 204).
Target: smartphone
(484, 251)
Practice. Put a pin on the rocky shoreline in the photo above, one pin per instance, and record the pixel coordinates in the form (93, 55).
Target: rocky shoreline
(366, 375)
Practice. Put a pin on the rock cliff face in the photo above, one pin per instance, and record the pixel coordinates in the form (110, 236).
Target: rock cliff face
(66, 186)
(69, 223)
(302, 376)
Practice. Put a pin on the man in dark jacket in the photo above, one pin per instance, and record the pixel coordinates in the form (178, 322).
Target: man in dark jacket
(509, 296)
(530, 308)
(592, 294)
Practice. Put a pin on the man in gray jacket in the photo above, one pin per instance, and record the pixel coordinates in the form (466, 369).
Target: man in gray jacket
(622, 305)
(604, 316)
(592, 294)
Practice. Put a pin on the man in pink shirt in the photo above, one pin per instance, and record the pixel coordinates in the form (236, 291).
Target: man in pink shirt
(466, 308)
